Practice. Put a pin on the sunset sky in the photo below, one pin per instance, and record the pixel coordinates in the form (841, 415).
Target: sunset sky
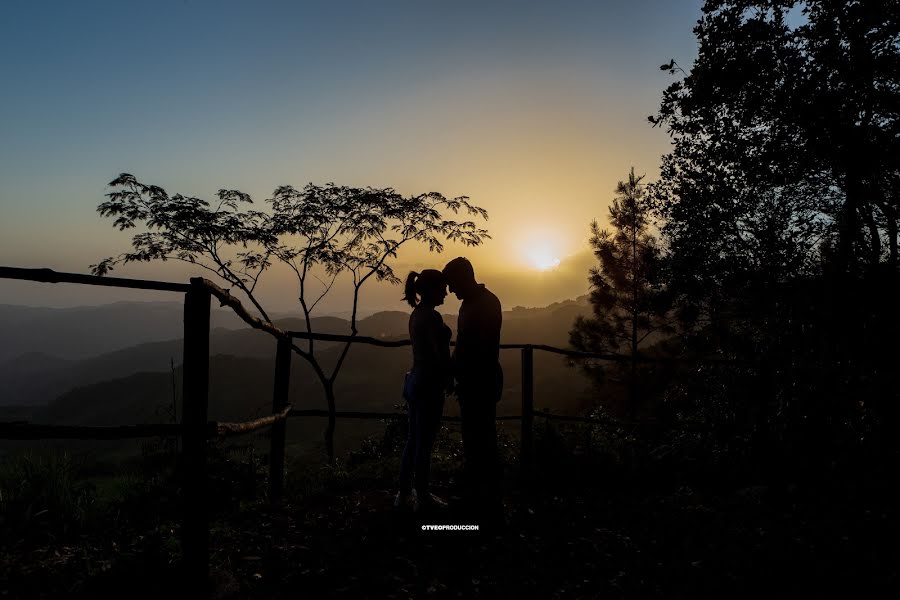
(533, 109)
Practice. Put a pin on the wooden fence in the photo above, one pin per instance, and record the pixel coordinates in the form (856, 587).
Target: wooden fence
(196, 429)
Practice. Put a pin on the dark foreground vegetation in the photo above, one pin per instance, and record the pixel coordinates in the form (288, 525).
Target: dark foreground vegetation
(602, 512)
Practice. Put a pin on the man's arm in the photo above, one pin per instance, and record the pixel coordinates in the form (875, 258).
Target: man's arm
(485, 351)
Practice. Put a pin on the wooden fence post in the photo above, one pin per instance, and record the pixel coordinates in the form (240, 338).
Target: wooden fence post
(195, 394)
(279, 402)
(527, 449)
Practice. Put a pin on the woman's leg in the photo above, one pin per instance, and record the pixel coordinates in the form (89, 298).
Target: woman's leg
(429, 423)
(410, 450)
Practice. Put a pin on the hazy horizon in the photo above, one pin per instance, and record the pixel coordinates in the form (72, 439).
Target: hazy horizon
(64, 302)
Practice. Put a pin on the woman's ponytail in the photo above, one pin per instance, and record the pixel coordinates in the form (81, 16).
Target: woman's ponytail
(409, 289)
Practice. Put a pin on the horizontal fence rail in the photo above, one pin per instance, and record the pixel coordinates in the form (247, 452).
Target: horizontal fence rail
(51, 276)
(390, 343)
(33, 431)
(356, 414)
(19, 430)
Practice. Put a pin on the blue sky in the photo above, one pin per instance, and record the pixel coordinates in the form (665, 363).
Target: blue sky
(534, 109)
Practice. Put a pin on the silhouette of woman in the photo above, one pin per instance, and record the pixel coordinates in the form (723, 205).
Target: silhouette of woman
(425, 385)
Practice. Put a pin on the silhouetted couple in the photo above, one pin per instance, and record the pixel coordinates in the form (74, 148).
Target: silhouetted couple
(473, 372)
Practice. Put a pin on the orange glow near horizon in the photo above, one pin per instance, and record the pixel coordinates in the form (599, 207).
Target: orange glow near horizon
(543, 260)
(542, 249)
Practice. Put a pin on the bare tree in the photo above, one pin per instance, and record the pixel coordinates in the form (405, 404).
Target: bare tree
(319, 232)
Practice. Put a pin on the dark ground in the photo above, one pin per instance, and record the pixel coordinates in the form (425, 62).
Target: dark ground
(575, 530)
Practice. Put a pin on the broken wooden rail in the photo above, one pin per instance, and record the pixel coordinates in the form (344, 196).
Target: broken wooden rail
(229, 429)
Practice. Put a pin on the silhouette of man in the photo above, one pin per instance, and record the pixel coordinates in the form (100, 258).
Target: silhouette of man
(479, 383)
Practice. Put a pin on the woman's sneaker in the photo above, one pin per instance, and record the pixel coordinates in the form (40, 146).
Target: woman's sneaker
(406, 499)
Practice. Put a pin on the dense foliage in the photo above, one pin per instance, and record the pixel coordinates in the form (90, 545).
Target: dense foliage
(778, 205)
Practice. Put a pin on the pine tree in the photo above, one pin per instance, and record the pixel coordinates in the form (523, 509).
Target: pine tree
(628, 298)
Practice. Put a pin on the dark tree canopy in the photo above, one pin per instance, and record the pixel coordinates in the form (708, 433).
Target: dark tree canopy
(779, 205)
(785, 137)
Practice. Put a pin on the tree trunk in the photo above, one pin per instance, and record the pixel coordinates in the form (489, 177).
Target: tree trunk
(634, 310)
(853, 167)
(329, 431)
(890, 218)
(848, 224)
(634, 395)
(892, 241)
(875, 248)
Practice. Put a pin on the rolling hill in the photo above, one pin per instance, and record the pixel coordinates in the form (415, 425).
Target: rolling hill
(134, 384)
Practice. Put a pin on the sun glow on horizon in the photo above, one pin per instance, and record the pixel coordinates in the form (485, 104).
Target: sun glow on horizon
(546, 264)
(542, 258)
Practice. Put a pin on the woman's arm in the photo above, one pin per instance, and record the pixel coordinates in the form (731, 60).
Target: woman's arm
(440, 345)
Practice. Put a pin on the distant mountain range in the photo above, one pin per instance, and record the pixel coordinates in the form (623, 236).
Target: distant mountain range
(85, 331)
(80, 332)
(133, 384)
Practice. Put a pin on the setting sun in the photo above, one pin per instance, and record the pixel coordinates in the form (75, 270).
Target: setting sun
(542, 259)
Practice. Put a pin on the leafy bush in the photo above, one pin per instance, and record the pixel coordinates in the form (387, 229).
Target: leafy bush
(304, 478)
(43, 489)
(237, 475)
